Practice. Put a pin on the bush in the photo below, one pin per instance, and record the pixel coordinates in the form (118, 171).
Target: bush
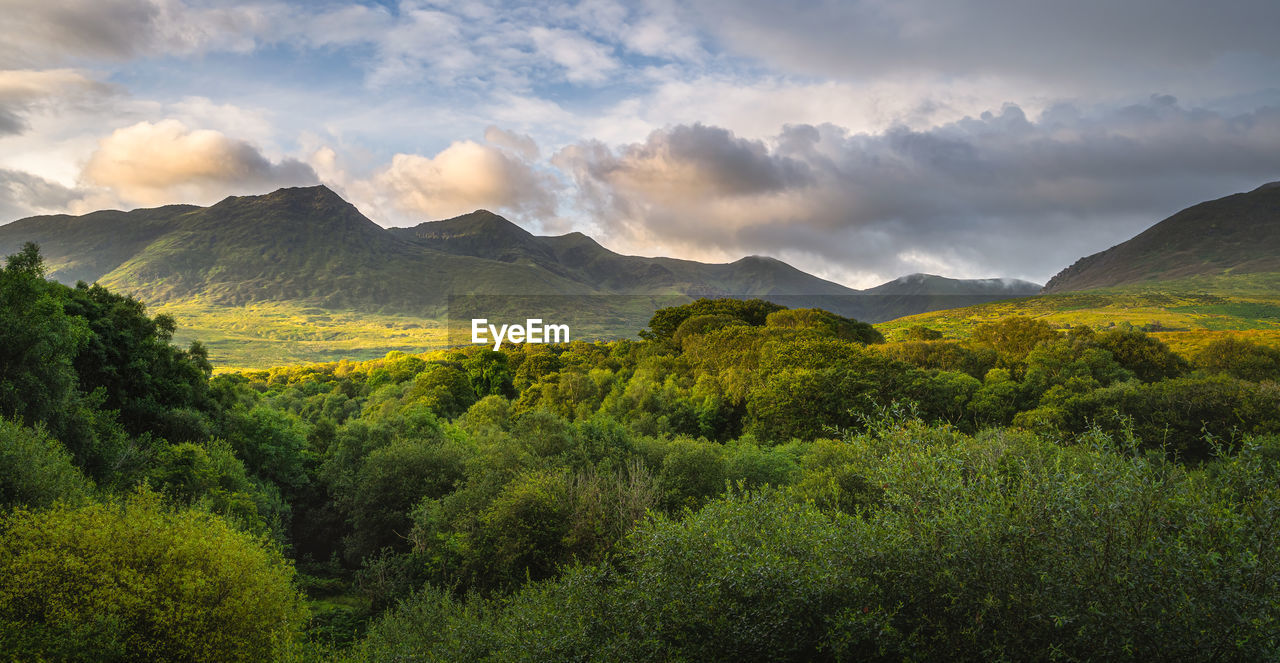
(35, 469)
(137, 581)
(1241, 359)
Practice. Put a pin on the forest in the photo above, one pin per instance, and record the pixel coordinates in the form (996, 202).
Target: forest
(744, 482)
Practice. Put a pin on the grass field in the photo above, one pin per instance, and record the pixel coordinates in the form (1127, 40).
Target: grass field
(1185, 313)
(276, 334)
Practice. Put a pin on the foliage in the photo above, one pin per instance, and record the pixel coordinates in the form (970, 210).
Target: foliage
(39, 342)
(666, 321)
(1003, 546)
(825, 323)
(753, 483)
(1241, 359)
(36, 470)
(135, 580)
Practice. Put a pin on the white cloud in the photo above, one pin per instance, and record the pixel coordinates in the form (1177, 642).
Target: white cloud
(52, 32)
(462, 178)
(584, 60)
(23, 92)
(167, 162)
(509, 140)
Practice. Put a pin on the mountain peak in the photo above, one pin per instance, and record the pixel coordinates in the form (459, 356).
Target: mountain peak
(318, 192)
(932, 284)
(479, 222)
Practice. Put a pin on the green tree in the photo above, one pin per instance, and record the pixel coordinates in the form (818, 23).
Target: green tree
(665, 321)
(1240, 358)
(826, 324)
(1014, 337)
(39, 342)
(1147, 357)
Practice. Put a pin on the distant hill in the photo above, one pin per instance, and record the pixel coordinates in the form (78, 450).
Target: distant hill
(579, 258)
(1239, 234)
(310, 247)
(916, 293)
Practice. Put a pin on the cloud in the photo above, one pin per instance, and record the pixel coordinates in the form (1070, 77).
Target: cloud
(994, 195)
(1086, 41)
(23, 194)
(462, 178)
(518, 143)
(583, 60)
(689, 162)
(52, 32)
(168, 162)
(23, 92)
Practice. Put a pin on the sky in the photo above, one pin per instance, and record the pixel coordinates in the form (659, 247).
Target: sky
(859, 140)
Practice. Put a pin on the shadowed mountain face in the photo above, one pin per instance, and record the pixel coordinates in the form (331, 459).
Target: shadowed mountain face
(578, 257)
(1239, 234)
(311, 246)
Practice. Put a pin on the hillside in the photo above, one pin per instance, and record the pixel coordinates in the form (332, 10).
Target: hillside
(577, 257)
(1185, 313)
(1238, 234)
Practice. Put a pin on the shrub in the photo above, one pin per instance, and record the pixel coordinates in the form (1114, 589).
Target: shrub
(137, 581)
(35, 469)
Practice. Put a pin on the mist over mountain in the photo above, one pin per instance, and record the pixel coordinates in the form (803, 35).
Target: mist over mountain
(309, 245)
(1238, 234)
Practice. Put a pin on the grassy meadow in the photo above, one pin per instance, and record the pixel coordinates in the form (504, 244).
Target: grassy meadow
(1187, 314)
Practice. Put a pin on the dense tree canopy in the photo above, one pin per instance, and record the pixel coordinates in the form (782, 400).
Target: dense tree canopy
(749, 482)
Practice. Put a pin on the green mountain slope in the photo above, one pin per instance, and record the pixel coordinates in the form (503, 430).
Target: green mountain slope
(575, 256)
(931, 285)
(1238, 234)
(84, 248)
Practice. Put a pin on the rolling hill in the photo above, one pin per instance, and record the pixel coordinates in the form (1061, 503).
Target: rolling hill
(1238, 234)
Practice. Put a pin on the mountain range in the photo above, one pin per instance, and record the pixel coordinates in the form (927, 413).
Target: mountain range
(309, 245)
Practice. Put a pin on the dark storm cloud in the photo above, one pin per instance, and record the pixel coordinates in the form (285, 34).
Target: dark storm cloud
(995, 190)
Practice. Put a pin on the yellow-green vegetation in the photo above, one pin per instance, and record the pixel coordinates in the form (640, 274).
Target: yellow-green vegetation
(1202, 308)
(268, 334)
(135, 580)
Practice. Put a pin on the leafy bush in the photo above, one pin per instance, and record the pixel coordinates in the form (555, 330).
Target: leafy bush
(137, 581)
(36, 470)
(1240, 358)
